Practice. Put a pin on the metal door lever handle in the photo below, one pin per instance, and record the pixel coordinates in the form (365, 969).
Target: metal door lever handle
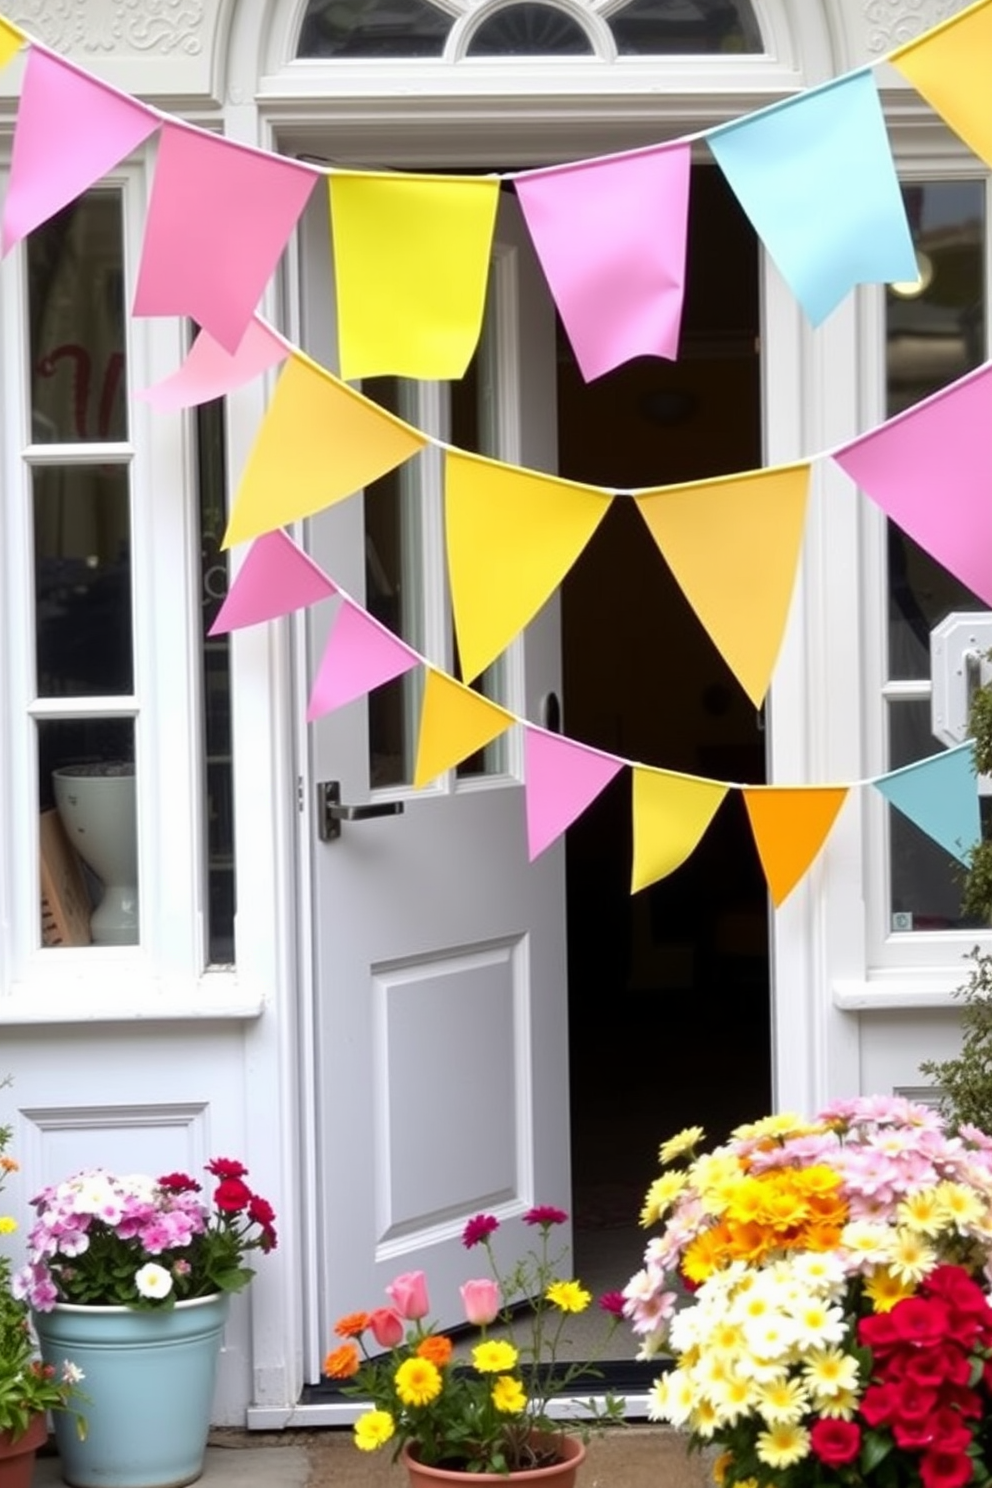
(331, 813)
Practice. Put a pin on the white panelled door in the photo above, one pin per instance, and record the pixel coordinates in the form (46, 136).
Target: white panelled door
(440, 977)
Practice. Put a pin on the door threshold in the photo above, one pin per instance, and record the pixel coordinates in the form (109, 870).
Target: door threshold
(341, 1412)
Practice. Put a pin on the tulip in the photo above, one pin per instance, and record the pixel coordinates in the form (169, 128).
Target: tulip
(408, 1294)
(481, 1301)
(387, 1327)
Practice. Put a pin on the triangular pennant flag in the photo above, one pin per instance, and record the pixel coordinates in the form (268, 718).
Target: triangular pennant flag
(671, 813)
(275, 578)
(219, 217)
(454, 723)
(942, 445)
(816, 177)
(360, 654)
(611, 237)
(940, 796)
(734, 546)
(790, 825)
(71, 130)
(949, 65)
(411, 263)
(512, 535)
(11, 41)
(319, 442)
(561, 779)
(211, 372)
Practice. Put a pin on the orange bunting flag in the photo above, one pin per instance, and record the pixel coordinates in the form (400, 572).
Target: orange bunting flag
(454, 723)
(733, 545)
(949, 66)
(790, 825)
(512, 536)
(11, 41)
(671, 813)
(319, 442)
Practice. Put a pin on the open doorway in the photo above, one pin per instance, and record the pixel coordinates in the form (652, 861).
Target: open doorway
(668, 989)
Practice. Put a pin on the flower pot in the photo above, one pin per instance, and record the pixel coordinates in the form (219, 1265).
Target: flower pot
(17, 1456)
(149, 1385)
(560, 1474)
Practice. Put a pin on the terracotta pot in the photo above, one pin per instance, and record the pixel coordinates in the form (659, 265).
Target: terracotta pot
(17, 1457)
(560, 1474)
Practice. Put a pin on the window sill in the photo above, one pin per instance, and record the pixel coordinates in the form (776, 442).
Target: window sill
(894, 996)
(216, 996)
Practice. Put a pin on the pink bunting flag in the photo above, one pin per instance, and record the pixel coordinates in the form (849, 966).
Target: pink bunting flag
(561, 779)
(611, 237)
(360, 654)
(930, 470)
(211, 372)
(71, 130)
(219, 217)
(275, 578)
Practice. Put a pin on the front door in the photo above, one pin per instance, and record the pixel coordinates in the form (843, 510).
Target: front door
(440, 979)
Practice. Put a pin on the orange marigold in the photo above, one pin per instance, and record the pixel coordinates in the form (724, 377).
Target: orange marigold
(10, 1164)
(352, 1325)
(436, 1348)
(343, 1362)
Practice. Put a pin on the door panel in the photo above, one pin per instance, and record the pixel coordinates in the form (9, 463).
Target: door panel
(441, 1017)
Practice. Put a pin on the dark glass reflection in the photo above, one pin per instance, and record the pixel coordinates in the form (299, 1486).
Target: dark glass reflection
(695, 27)
(373, 28)
(530, 30)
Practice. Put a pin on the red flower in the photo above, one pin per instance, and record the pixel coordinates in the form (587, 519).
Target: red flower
(613, 1302)
(921, 1320)
(945, 1469)
(835, 1442)
(227, 1167)
(478, 1229)
(878, 1404)
(950, 1434)
(878, 1333)
(387, 1327)
(933, 1366)
(545, 1214)
(232, 1195)
(179, 1183)
(260, 1210)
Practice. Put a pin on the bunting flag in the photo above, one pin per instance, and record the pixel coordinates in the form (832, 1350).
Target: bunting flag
(949, 66)
(940, 796)
(930, 470)
(454, 723)
(275, 578)
(219, 217)
(671, 813)
(360, 654)
(790, 825)
(211, 372)
(561, 779)
(319, 442)
(816, 177)
(512, 535)
(733, 545)
(411, 264)
(11, 41)
(71, 130)
(611, 237)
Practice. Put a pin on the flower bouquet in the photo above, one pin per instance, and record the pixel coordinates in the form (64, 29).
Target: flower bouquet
(488, 1412)
(143, 1242)
(823, 1286)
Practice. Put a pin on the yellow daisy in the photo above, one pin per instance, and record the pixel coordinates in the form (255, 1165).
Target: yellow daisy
(418, 1381)
(373, 1430)
(682, 1142)
(783, 1444)
(494, 1356)
(568, 1296)
(508, 1395)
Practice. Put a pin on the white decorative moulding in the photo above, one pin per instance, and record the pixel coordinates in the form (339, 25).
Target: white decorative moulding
(891, 23)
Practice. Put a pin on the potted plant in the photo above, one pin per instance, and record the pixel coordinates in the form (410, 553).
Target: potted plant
(132, 1276)
(486, 1413)
(823, 1288)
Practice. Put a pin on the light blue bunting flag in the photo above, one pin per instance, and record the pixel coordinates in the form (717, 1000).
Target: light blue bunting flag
(816, 177)
(940, 796)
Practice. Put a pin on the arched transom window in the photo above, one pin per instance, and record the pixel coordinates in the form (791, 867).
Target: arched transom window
(529, 28)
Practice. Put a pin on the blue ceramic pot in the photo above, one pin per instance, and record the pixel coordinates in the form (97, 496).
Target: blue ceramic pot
(149, 1383)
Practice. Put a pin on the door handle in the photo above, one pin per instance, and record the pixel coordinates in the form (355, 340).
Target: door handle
(331, 813)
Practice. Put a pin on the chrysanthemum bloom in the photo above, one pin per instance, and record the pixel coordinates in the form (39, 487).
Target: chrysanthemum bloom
(682, 1142)
(494, 1356)
(343, 1362)
(508, 1395)
(435, 1347)
(479, 1229)
(569, 1296)
(351, 1325)
(545, 1215)
(783, 1444)
(8, 1224)
(418, 1381)
(373, 1430)
(153, 1281)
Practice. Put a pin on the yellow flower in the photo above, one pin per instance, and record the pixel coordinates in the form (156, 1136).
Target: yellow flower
(7, 1224)
(960, 1204)
(682, 1142)
(912, 1258)
(827, 1372)
(373, 1430)
(661, 1195)
(884, 1289)
(783, 1444)
(569, 1296)
(922, 1211)
(509, 1395)
(418, 1381)
(720, 1466)
(495, 1356)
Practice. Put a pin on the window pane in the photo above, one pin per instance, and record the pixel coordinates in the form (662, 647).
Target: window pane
(373, 28)
(88, 832)
(657, 27)
(530, 30)
(82, 557)
(76, 309)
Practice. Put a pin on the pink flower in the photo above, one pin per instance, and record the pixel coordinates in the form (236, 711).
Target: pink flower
(408, 1294)
(545, 1215)
(481, 1301)
(613, 1303)
(387, 1326)
(478, 1229)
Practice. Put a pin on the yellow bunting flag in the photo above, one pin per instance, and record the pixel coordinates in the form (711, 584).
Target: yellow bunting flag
(411, 262)
(512, 536)
(790, 825)
(11, 41)
(950, 67)
(454, 723)
(733, 545)
(671, 813)
(319, 442)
